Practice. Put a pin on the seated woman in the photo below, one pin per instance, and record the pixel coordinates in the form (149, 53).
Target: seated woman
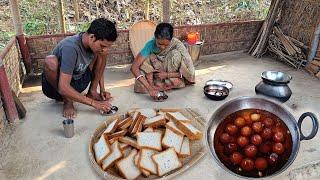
(163, 64)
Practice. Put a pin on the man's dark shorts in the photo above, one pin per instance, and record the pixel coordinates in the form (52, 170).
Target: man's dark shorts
(79, 85)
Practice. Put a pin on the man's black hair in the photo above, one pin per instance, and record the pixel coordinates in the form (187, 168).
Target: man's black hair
(164, 31)
(103, 29)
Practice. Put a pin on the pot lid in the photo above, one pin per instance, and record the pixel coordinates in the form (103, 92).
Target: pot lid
(224, 83)
(276, 76)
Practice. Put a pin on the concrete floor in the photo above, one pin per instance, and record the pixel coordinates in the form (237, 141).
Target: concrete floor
(35, 147)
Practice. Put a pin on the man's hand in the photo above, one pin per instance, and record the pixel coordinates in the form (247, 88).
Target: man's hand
(105, 96)
(104, 106)
(94, 95)
(161, 75)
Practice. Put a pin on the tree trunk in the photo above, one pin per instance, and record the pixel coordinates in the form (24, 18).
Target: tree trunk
(61, 16)
(76, 10)
(166, 10)
(16, 17)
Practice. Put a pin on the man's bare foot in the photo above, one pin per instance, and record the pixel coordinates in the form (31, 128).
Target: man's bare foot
(69, 110)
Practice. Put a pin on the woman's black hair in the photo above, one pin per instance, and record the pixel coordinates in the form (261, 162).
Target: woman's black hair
(103, 29)
(164, 31)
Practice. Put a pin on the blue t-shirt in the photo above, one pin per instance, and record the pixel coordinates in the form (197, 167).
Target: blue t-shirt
(73, 57)
(150, 48)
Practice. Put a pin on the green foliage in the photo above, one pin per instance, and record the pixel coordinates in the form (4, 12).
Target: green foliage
(82, 27)
(41, 16)
(216, 11)
(38, 17)
(4, 38)
(34, 27)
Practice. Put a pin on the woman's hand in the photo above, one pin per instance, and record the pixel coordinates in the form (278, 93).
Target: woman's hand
(153, 92)
(161, 75)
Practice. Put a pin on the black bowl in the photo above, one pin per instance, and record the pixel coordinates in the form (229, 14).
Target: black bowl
(216, 92)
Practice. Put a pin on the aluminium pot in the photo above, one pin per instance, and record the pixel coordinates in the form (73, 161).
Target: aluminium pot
(274, 84)
(261, 103)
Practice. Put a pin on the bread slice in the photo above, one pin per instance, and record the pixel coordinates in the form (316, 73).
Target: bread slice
(169, 110)
(161, 113)
(136, 162)
(111, 128)
(166, 161)
(131, 112)
(128, 140)
(127, 167)
(138, 124)
(102, 149)
(177, 116)
(127, 151)
(123, 145)
(149, 129)
(124, 124)
(172, 126)
(155, 121)
(172, 139)
(117, 134)
(190, 131)
(140, 127)
(146, 162)
(136, 159)
(150, 140)
(147, 112)
(145, 173)
(161, 131)
(115, 155)
(185, 148)
(135, 118)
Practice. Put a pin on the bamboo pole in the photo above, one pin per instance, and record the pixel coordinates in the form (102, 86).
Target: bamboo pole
(76, 10)
(20, 36)
(61, 16)
(166, 11)
(16, 17)
(147, 16)
(259, 46)
(314, 44)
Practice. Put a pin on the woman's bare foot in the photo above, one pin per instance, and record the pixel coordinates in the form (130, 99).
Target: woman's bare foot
(177, 83)
(167, 87)
(69, 110)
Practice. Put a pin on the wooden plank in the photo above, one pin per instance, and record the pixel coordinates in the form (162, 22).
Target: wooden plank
(318, 75)
(312, 68)
(316, 63)
(20, 107)
(5, 91)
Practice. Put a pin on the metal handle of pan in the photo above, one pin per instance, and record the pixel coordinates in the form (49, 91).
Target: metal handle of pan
(315, 125)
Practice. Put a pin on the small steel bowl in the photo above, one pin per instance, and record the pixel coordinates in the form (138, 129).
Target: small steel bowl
(216, 92)
(113, 110)
(161, 96)
(227, 84)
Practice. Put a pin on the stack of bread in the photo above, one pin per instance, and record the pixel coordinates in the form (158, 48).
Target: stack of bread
(147, 142)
